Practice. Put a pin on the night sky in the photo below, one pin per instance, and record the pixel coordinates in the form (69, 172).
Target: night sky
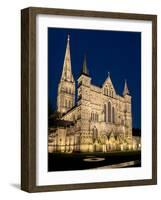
(116, 52)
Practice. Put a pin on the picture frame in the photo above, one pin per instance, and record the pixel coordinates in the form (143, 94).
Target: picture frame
(29, 96)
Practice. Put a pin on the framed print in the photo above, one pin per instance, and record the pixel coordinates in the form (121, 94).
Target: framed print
(89, 99)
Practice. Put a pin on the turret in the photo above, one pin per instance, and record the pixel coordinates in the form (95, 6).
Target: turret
(84, 82)
(127, 111)
(84, 70)
(126, 90)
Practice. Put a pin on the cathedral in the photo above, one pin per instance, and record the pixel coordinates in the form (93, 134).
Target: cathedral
(99, 120)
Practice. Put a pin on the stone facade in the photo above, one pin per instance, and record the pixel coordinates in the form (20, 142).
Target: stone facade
(101, 119)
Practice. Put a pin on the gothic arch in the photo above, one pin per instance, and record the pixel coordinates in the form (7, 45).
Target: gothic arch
(96, 117)
(111, 93)
(107, 92)
(104, 90)
(92, 116)
(113, 114)
(105, 112)
(109, 112)
(95, 133)
(66, 103)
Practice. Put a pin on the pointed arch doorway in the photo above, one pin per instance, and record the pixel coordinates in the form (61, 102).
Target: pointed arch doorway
(96, 145)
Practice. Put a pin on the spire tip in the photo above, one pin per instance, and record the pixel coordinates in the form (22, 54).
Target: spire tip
(84, 67)
(126, 90)
(68, 37)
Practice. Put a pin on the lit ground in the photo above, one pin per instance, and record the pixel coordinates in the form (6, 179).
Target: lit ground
(79, 161)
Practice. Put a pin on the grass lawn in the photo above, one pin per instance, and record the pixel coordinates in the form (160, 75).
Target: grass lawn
(75, 161)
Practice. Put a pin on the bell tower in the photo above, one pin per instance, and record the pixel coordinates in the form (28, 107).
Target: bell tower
(84, 83)
(66, 87)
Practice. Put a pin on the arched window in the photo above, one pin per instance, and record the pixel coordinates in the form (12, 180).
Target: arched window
(96, 117)
(92, 116)
(111, 93)
(107, 92)
(113, 114)
(105, 116)
(109, 112)
(66, 103)
(95, 133)
(70, 104)
(104, 90)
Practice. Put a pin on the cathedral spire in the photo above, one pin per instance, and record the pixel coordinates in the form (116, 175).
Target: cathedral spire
(67, 72)
(84, 68)
(66, 87)
(126, 90)
(109, 77)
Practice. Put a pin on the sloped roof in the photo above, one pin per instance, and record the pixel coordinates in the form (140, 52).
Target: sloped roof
(60, 123)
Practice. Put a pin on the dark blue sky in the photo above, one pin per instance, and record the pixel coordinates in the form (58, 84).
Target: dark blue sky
(116, 52)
